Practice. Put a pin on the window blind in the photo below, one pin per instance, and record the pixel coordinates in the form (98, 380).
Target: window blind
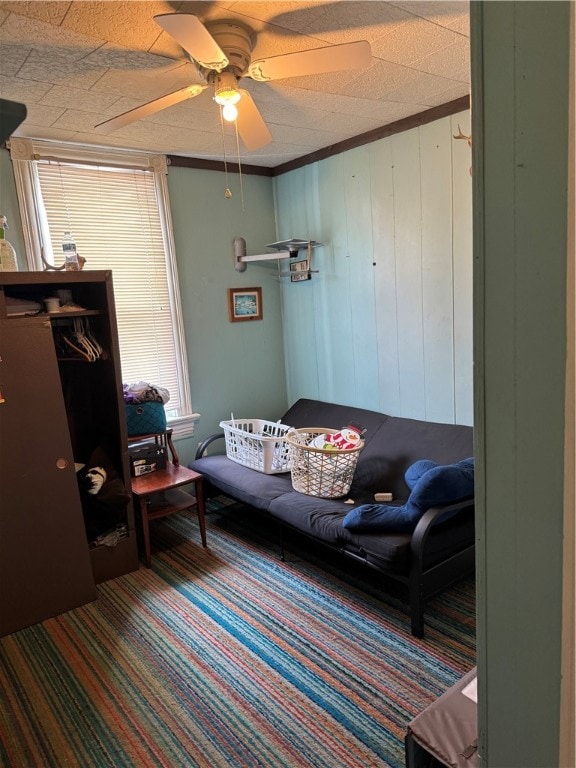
(113, 216)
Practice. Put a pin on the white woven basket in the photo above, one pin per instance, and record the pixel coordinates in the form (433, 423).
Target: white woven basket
(257, 444)
(320, 471)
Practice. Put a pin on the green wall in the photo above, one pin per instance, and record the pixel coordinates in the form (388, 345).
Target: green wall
(9, 206)
(386, 322)
(234, 367)
(520, 131)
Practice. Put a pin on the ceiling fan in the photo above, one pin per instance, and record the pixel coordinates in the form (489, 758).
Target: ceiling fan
(222, 52)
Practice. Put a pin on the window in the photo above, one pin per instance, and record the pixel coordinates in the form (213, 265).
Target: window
(116, 207)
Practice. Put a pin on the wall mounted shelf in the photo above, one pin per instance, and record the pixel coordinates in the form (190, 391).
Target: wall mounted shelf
(285, 249)
(264, 257)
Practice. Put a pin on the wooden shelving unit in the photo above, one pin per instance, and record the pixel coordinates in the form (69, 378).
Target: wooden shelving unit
(54, 411)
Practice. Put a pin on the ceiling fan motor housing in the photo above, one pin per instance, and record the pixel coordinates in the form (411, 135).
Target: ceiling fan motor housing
(237, 43)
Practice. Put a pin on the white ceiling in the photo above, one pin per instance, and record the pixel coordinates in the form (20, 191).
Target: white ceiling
(75, 64)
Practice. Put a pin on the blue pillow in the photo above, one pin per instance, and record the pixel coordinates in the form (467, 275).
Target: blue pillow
(431, 484)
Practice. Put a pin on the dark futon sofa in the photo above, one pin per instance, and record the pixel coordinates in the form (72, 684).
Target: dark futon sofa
(436, 554)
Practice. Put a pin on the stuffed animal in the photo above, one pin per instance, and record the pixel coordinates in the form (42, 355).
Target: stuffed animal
(103, 495)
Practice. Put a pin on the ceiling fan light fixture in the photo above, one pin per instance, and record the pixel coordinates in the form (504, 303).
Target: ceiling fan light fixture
(229, 112)
(226, 89)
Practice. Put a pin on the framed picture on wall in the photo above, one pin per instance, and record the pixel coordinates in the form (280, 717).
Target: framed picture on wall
(244, 304)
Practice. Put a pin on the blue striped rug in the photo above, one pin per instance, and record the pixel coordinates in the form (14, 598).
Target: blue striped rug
(227, 657)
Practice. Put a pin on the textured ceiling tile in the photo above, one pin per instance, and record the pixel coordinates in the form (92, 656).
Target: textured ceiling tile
(345, 126)
(453, 63)
(73, 98)
(25, 91)
(144, 131)
(12, 57)
(445, 13)
(395, 111)
(384, 78)
(281, 98)
(461, 25)
(391, 111)
(50, 12)
(315, 116)
(431, 94)
(128, 23)
(454, 91)
(109, 141)
(203, 8)
(295, 16)
(113, 141)
(349, 21)
(40, 132)
(412, 40)
(45, 37)
(288, 134)
(69, 73)
(276, 153)
(337, 127)
(114, 56)
(42, 116)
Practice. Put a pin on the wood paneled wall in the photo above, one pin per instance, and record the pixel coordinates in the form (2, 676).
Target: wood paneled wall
(386, 323)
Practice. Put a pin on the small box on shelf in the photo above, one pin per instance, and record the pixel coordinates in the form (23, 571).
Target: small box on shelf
(146, 457)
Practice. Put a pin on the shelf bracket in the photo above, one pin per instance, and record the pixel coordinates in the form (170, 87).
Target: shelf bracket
(241, 259)
(286, 249)
(239, 253)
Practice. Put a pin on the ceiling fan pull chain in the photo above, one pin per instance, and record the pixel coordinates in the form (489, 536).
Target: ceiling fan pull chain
(227, 191)
(239, 165)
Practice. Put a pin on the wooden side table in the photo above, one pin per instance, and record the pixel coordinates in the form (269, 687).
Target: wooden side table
(159, 494)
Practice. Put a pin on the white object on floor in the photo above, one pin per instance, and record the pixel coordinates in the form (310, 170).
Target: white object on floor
(471, 690)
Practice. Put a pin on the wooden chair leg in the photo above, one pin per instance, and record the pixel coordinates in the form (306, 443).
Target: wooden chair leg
(200, 510)
(145, 531)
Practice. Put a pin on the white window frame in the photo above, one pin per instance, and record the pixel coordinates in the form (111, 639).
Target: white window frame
(24, 153)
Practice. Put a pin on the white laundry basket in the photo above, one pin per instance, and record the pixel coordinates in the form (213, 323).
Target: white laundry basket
(257, 444)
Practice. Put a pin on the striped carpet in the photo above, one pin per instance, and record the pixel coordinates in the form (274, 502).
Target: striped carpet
(227, 657)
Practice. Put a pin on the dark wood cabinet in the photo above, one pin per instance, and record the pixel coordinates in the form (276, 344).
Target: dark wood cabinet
(56, 409)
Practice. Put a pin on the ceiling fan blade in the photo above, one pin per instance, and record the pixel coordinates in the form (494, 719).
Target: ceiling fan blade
(192, 35)
(251, 126)
(333, 58)
(149, 108)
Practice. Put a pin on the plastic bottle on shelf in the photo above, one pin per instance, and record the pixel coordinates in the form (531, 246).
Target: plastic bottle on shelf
(8, 262)
(70, 252)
